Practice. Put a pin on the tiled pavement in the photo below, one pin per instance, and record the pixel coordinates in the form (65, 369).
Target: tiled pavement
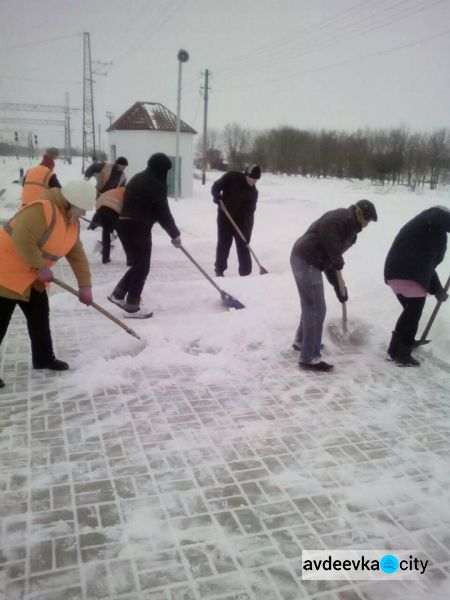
(165, 488)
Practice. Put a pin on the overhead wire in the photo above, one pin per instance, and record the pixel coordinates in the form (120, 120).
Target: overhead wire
(271, 47)
(329, 39)
(159, 26)
(345, 62)
(313, 46)
(39, 42)
(135, 18)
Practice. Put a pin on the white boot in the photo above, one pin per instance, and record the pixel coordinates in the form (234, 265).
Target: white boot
(115, 300)
(140, 313)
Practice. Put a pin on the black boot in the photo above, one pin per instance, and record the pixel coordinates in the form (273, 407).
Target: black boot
(321, 366)
(401, 352)
(53, 364)
(404, 358)
(393, 346)
(2, 383)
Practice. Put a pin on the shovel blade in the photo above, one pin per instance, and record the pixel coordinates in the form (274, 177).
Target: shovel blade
(419, 343)
(230, 301)
(263, 271)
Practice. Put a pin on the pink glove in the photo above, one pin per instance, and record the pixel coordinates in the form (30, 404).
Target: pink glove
(45, 274)
(85, 295)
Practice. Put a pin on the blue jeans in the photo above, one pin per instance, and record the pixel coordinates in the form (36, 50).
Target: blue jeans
(312, 300)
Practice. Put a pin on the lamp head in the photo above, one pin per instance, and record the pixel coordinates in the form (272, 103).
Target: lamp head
(183, 56)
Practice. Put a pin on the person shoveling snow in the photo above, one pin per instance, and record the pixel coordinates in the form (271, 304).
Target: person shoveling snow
(320, 249)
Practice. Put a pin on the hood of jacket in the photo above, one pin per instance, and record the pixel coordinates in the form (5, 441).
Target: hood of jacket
(159, 164)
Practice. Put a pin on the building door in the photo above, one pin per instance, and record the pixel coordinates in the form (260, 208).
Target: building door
(171, 177)
(112, 153)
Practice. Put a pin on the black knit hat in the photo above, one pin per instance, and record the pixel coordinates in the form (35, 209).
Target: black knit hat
(122, 161)
(368, 209)
(53, 152)
(254, 171)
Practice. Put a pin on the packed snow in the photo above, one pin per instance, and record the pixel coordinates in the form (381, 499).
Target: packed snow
(244, 359)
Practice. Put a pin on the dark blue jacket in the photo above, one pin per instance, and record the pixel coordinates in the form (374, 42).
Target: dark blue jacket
(418, 248)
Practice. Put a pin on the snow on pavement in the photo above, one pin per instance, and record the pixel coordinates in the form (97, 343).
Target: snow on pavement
(199, 462)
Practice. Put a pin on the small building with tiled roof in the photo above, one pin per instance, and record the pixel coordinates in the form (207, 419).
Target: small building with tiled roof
(149, 127)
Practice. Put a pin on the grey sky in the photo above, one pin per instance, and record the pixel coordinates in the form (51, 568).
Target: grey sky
(338, 64)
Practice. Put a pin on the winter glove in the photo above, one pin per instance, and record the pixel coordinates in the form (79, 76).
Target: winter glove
(216, 199)
(441, 295)
(45, 274)
(341, 297)
(85, 295)
(176, 241)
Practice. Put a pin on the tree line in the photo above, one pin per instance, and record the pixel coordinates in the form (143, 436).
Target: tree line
(395, 156)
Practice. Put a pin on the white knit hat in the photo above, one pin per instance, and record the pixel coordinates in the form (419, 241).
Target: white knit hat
(80, 194)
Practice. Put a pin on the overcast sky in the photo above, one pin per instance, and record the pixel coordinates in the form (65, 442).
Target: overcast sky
(333, 64)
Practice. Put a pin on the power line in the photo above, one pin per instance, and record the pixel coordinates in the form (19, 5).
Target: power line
(346, 62)
(37, 43)
(314, 46)
(197, 108)
(133, 20)
(270, 48)
(55, 81)
(148, 34)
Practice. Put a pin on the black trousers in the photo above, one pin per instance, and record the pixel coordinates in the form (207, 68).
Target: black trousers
(107, 218)
(137, 243)
(408, 322)
(37, 314)
(225, 235)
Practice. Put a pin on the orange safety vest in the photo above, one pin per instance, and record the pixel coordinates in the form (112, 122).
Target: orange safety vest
(112, 199)
(56, 242)
(36, 181)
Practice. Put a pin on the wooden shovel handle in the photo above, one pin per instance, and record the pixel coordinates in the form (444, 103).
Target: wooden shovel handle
(97, 307)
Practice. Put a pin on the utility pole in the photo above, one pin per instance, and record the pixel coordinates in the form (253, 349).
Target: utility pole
(110, 116)
(99, 143)
(205, 126)
(88, 102)
(182, 57)
(67, 140)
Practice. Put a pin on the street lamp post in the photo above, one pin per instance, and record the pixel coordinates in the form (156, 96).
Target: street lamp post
(183, 57)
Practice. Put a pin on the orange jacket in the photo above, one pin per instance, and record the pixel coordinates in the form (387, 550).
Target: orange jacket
(112, 199)
(36, 181)
(56, 242)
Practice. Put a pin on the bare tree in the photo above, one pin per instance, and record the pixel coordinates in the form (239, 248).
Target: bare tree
(237, 144)
(439, 155)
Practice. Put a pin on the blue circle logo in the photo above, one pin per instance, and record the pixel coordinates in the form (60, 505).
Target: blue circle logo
(389, 563)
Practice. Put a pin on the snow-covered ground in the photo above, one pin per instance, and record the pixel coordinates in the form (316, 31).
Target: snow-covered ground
(199, 462)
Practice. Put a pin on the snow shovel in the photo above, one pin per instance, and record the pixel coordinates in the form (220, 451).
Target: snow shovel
(356, 336)
(227, 299)
(97, 307)
(262, 270)
(423, 339)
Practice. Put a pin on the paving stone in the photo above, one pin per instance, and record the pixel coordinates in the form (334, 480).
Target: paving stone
(170, 486)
